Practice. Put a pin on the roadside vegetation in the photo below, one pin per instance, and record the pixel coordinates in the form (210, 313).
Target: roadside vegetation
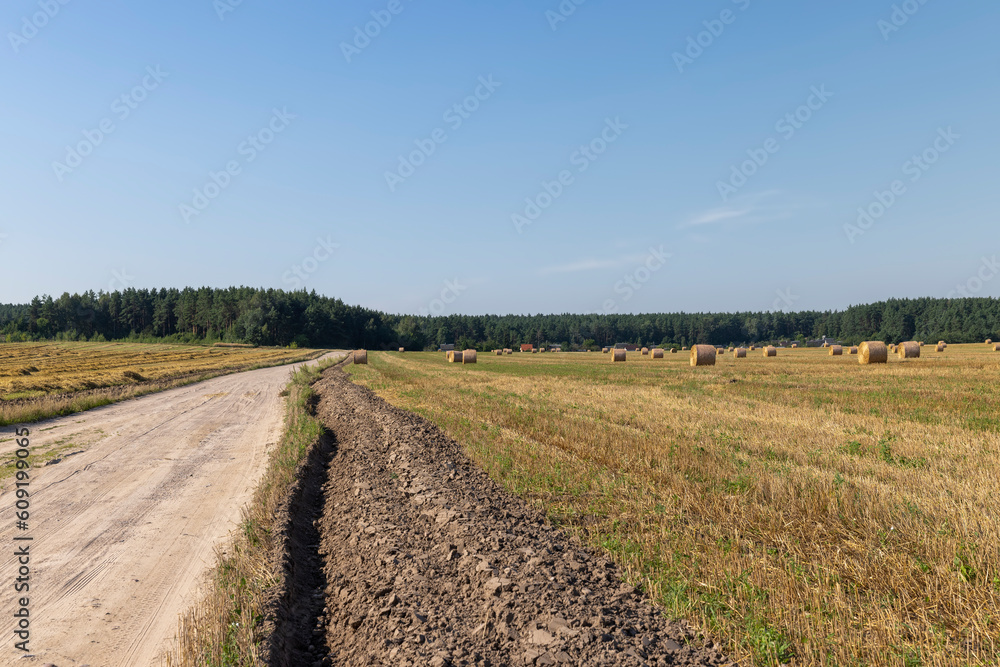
(228, 626)
(803, 509)
(43, 380)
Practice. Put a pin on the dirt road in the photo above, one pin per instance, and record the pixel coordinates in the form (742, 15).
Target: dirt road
(124, 530)
(407, 554)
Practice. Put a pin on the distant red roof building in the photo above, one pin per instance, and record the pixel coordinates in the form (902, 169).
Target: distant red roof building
(527, 347)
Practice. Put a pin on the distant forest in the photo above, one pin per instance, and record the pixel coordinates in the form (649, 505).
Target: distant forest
(306, 319)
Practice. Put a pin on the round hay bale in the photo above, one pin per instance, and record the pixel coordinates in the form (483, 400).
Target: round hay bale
(753, 347)
(996, 347)
(402, 349)
(854, 349)
(989, 341)
(941, 347)
(645, 350)
(673, 350)
(619, 355)
(606, 350)
(656, 353)
(534, 351)
(873, 352)
(498, 352)
(836, 351)
(720, 351)
(740, 353)
(468, 356)
(795, 345)
(703, 355)
(684, 349)
(455, 357)
(826, 345)
(908, 350)
(770, 351)
(360, 357)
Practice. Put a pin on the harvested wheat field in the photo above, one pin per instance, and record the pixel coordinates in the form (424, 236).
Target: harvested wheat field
(798, 509)
(39, 380)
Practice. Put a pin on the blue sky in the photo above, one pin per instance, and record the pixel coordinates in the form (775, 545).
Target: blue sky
(597, 160)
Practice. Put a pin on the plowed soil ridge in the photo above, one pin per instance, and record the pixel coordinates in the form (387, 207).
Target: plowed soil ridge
(428, 562)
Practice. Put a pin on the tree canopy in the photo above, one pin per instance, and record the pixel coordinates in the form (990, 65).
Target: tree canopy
(276, 317)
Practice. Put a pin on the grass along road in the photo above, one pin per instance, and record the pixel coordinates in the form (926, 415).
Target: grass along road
(803, 508)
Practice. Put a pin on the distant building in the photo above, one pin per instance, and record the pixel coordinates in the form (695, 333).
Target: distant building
(820, 342)
(626, 346)
(447, 347)
(527, 347)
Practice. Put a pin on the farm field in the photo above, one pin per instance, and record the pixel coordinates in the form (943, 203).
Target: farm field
(802, 508)
(39, 380)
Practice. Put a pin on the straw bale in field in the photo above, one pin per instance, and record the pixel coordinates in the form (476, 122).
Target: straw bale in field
(836, 350)
(703, 355)
(873, 352)
(468, 356)
(740, 353)
(619, 355)
(361, 357)
(656, 353)
(770, 351)
(908, 350)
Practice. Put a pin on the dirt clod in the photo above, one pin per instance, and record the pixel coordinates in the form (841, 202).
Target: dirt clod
(428, 562)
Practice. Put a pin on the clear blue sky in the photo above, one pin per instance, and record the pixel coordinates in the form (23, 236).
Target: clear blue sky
(679, 124)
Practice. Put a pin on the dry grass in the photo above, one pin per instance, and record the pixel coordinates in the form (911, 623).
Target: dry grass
(804, 510)
(41, 380)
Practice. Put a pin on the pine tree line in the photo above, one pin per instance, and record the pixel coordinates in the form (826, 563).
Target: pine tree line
(276, 317)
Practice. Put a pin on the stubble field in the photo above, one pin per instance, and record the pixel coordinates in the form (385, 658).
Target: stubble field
(804, 509)
(39, 380)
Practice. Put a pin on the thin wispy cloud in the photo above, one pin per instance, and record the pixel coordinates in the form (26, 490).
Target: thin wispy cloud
(591, 264)
(761, 207)
(715, 215)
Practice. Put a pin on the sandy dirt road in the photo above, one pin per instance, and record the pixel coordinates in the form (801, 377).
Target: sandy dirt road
(124, 530)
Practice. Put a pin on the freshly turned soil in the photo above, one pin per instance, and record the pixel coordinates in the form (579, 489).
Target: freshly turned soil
(426, 561)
